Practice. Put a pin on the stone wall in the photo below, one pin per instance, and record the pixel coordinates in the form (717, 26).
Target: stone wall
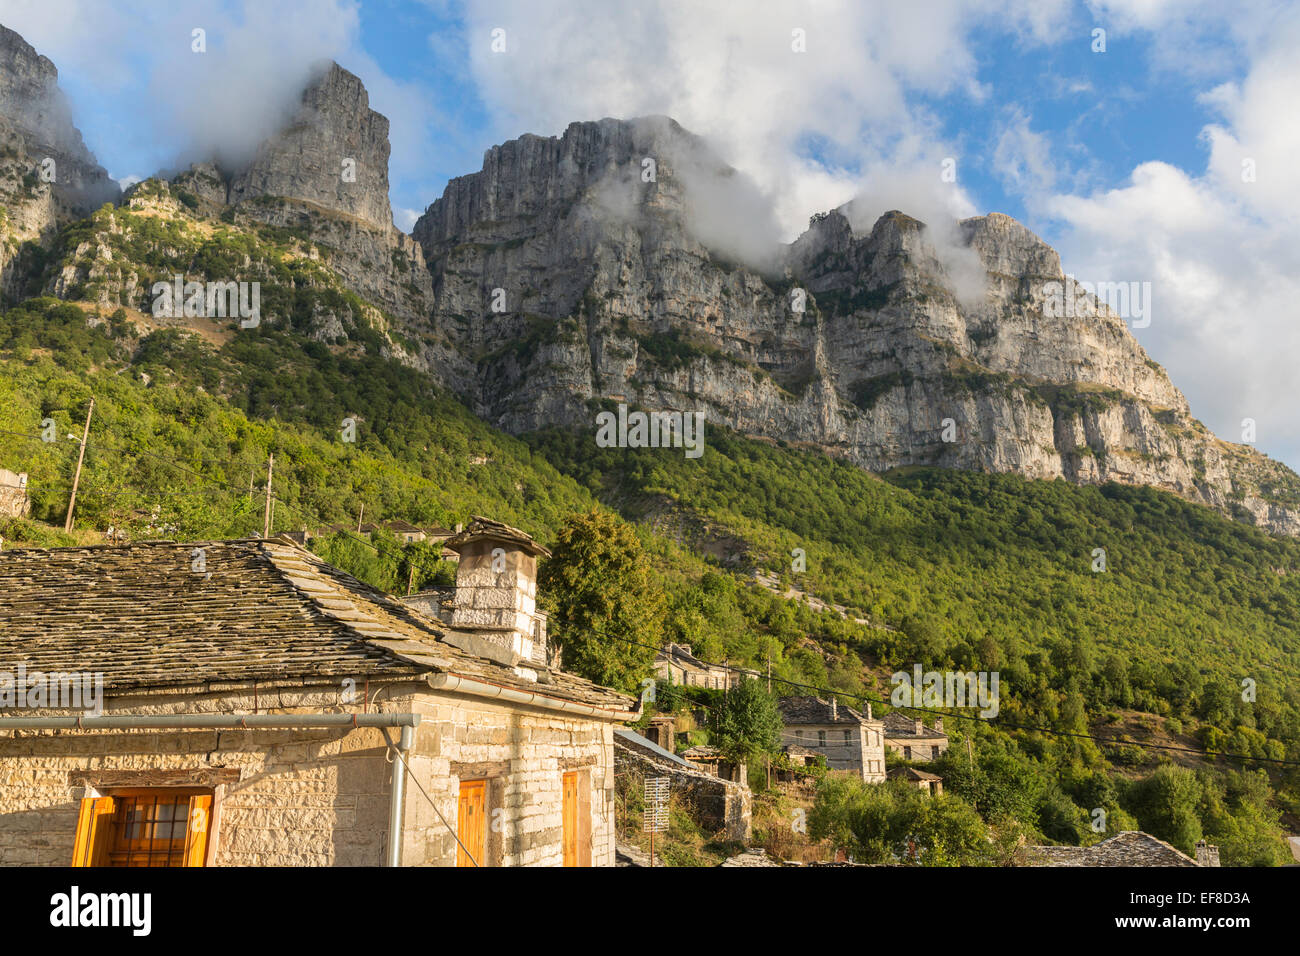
(523, 753)
(14, 502)
(717, 804)
(319, 797)
(863, 753)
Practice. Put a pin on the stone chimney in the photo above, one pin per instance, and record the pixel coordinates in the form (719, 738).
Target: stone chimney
(938, 724)
(835, 710)
(1206, 854)
(496, 587)
(869, 717)
(920, 727)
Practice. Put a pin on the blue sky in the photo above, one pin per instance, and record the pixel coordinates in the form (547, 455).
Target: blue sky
(1129, 161)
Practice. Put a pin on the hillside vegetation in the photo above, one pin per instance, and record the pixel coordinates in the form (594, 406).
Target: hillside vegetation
(949, 570)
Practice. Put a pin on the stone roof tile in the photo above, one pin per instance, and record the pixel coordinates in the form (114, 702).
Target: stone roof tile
(165, 614)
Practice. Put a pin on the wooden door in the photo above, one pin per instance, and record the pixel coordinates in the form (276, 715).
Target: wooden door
(571, 818)
(471, 819)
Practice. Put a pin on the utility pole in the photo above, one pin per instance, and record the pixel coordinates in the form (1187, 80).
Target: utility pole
(359, 515)
(410, 581)
(266, 520)
(769, 672)
(76, 479)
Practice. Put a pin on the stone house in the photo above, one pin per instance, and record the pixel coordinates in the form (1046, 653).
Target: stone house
(293, 715)
(715, 802)
(662, 730)
(798, 759)
(931, 783)
(711, 761)
(849, 740)
(675, 664)
(14, 500)
(910, 737)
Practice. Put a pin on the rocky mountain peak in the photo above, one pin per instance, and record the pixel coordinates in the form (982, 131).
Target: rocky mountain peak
(912, 343)
(1007, 247)
(36, 122)
(333, 153)
(620, 163)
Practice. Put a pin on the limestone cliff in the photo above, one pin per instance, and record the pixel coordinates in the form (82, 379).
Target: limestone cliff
(47, 175)
(333, 154)
(325, 174)
(568, 275)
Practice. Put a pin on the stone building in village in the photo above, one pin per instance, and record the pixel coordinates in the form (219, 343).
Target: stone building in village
(912, 739)
(272, 701)
(848, 740)
(14, 500)
(675, 664)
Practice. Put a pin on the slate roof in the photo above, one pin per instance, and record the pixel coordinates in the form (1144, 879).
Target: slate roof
(678, 653)
(150, 615)
(795, 750)
(630, 738)
(702, 752)
(914, 775)
(1130, 848)
(898, 724)
(814, 710)
(398, 526)
(480, 527)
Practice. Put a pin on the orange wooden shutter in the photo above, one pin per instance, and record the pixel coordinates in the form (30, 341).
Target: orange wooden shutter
(471, 815)
(584, 818)
(92, 831)
(570, 812)
(200, 825)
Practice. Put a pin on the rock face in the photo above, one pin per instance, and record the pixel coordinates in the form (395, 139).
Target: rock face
(33, 112)
(325, 174)
(567, 274)
(47, 175)
(334, 154)
(624, 262)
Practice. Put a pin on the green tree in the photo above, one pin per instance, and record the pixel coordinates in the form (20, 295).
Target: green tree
(1166, 803)
(749, 723)
(606, 610)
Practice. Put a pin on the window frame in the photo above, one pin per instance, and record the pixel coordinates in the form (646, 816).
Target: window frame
(97, 834)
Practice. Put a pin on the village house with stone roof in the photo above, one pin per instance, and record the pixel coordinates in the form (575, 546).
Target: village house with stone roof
(675, 664)
(258, 708)
(847, 739)
(910, 737)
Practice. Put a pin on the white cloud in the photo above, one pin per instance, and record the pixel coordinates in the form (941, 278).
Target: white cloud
(1022, 158)
(804, 125)
(188, 105)
(1219, 251)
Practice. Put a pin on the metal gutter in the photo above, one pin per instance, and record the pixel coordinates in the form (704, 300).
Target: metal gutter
(480, 688)
(210, 721)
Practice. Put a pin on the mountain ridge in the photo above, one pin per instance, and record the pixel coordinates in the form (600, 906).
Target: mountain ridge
(624, 261)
